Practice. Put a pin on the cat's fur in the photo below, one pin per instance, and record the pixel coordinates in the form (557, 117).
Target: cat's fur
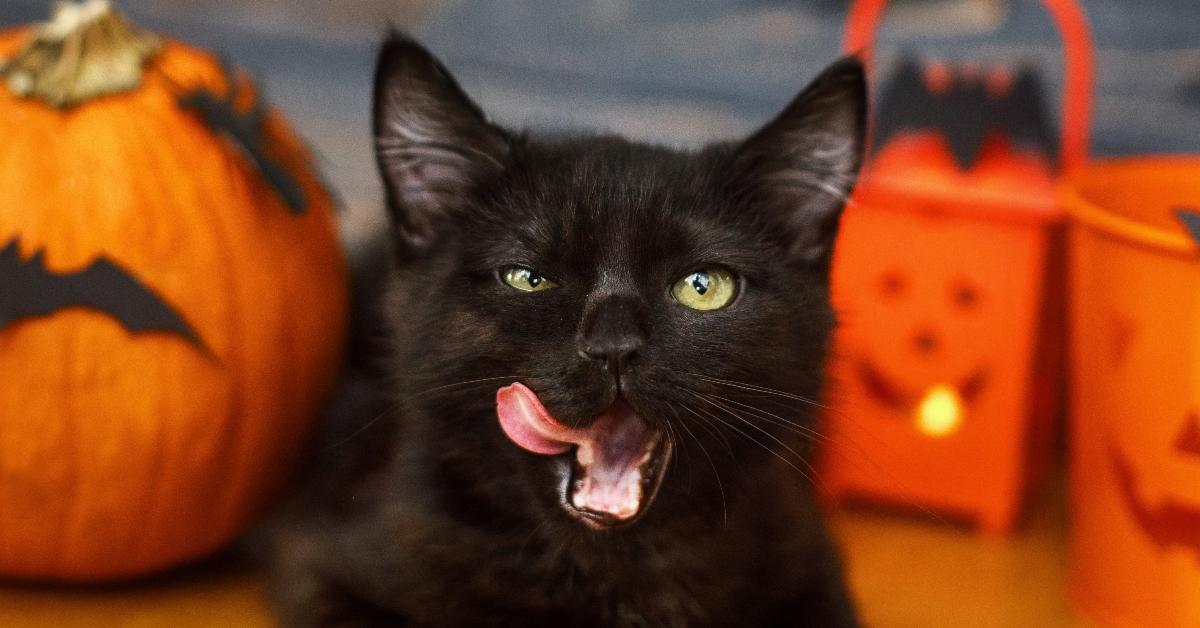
(432, 517)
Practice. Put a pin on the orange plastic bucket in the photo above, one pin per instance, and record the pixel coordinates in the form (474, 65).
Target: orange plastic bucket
(949, 353)
(1135, 428)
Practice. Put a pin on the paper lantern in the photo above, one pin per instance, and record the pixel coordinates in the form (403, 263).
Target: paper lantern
(948, 356)
(172, 300)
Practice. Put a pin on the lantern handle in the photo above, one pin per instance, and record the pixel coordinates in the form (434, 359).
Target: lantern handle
(862, 24)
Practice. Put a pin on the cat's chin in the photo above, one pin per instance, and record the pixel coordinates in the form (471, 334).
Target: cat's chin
(604, 509)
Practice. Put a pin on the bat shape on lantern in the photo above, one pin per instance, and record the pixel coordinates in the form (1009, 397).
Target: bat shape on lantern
(1167, 523)
(248, 132)
(966, 110)
(29, 289)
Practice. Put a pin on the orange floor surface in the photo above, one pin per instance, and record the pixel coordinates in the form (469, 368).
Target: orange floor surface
(906, 572)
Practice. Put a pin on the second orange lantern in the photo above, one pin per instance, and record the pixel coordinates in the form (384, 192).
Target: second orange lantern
(949, 357)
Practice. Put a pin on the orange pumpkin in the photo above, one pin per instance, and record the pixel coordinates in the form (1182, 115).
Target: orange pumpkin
(173, 300)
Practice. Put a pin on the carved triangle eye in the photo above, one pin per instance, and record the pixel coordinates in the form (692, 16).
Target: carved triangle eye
(1188, 440)
(1123, 332)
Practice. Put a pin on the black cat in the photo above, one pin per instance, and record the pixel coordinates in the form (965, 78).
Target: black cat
(602, 361)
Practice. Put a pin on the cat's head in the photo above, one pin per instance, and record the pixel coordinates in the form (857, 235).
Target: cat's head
(663, 314)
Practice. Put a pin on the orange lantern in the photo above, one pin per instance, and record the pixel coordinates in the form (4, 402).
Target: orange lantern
(948, 358)
(1135, 429)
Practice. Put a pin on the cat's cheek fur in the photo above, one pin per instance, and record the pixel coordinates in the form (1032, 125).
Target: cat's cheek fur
(419, 510)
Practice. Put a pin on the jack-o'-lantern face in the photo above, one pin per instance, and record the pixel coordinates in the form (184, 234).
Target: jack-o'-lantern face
(928, 313)
(1155, 457)
(938, 297)
(924, 331)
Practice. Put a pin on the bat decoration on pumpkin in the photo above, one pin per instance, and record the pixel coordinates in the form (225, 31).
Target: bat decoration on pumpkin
(966, 111)
(1191, 221)
(29, 289)
(1168, 524)
(248, 132)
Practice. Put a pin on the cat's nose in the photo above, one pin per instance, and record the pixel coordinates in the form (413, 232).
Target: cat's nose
(615, 352)
(612, 334)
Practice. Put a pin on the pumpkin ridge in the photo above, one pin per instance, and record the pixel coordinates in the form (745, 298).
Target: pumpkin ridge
(154, 502)
(72, 250)
(230, 509)
(91, 466)
(230, 359)
(73, 506)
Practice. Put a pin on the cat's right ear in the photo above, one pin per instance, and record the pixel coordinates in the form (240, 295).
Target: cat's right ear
(434, 146)
(802, 166)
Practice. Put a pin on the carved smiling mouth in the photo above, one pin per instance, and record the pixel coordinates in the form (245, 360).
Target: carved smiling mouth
(890, 394)
(612, 469)
(1167, 522)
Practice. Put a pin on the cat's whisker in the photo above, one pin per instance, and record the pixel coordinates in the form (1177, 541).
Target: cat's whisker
(871, 464)
(751, 438)
(392, 407)
(395, 405)
(792, 426)
(760, 389)
(865, 462)
(801, 458)
(529, 537)
(712, 465)
(481, 380)
(708, 426)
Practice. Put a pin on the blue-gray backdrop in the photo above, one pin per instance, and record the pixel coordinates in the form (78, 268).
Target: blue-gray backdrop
(677, 72)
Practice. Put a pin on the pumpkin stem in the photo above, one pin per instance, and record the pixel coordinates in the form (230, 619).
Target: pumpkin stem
(86, 50)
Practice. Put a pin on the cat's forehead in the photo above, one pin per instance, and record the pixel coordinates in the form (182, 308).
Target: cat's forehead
(607, 197)
(611, 182)
(608, 206)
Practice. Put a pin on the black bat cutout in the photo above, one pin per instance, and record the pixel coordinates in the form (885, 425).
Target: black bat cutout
(1191, 221)
(246, 130)
(29, 289)
(965, 113)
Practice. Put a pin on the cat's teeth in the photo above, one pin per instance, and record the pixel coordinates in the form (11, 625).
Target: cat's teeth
(622, 500)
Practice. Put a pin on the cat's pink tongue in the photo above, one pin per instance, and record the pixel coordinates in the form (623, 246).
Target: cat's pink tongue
(610, 451)
(528, 424)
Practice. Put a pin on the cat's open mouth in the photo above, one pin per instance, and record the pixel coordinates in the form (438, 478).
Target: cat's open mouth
(616, 464)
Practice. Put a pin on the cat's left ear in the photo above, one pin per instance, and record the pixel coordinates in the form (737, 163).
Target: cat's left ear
(434, 145)
(801, 167)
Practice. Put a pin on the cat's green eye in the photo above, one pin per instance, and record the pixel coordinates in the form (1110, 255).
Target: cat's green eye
(708, 289)
(525, 279)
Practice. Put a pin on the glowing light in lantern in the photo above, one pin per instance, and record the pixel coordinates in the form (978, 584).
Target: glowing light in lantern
(940, 412)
